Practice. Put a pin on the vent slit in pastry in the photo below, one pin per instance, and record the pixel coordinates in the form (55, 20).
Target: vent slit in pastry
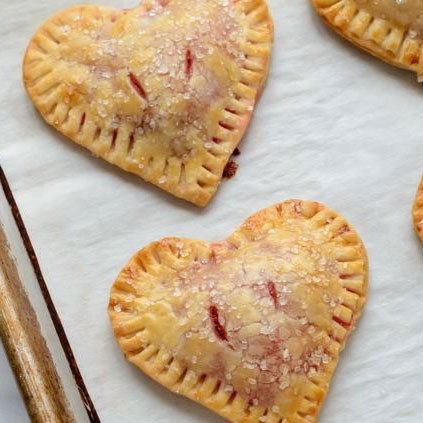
(218, 326)
(136, 84)
(273, 293)
(189, 63)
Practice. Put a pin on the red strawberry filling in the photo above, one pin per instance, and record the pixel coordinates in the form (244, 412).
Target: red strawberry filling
(218, 328)
(136, 85)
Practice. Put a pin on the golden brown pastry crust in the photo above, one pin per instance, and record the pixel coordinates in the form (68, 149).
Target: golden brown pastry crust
(418, 212)
(385, 39)
(165, 90)
(250, 327)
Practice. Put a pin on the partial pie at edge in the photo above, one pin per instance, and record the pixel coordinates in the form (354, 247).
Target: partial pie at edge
(384, 28)
(250, 327)
(165, 90)
(418, 211)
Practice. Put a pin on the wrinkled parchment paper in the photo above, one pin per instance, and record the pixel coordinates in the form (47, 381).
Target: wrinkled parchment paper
(334, 125)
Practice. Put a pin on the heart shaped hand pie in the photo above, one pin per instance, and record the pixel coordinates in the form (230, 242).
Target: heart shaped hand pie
(165, 90)
(418, 212)
(250, 327)
(389, 29)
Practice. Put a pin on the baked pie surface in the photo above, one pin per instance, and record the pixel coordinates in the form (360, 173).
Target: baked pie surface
(165, 90)
(389, 29)
(250, 327)
(418, 212)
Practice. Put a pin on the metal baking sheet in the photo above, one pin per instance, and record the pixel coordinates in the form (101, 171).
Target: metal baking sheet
(333, 125)
(11, 404)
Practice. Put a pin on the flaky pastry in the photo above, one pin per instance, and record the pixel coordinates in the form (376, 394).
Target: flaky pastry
(418, 212)
(165, 90)
(250, 327)
(389, 29)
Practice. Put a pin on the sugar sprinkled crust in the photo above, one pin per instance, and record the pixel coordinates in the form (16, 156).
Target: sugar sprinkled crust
(395, 41)
(418, 211)
(252, 326)
(165, 90)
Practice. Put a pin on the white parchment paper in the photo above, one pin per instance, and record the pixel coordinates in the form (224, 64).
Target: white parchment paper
(12, 408)
(334, 125)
